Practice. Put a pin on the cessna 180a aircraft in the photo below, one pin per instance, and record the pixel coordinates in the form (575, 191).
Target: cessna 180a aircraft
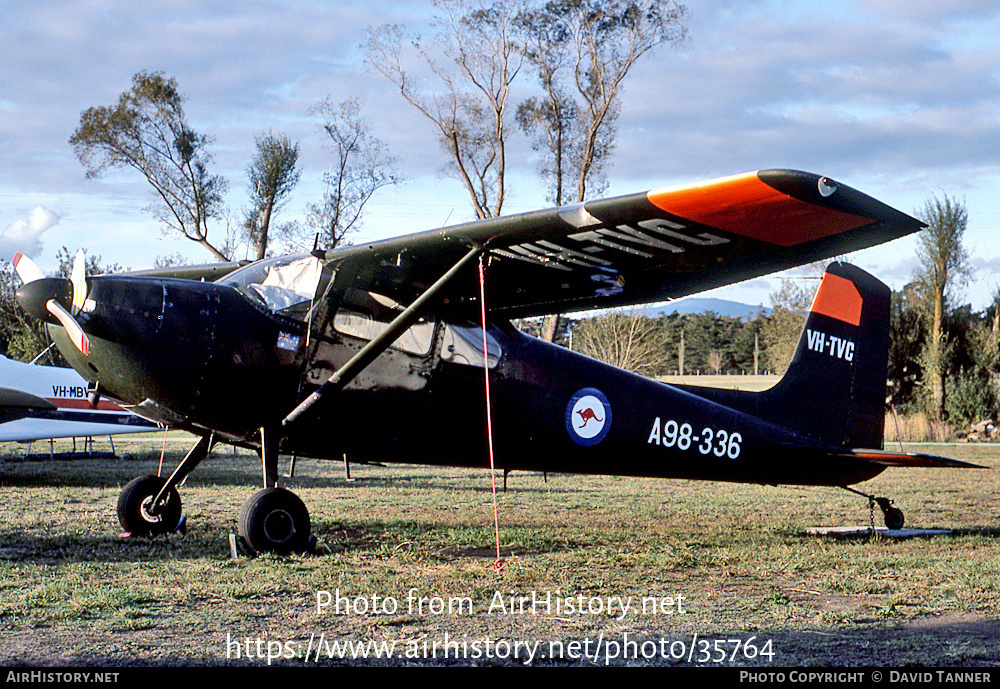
(378, 351)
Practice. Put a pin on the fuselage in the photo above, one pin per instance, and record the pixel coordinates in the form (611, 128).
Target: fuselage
(210, 357)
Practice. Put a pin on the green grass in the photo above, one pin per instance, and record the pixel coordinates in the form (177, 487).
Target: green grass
(73, 591)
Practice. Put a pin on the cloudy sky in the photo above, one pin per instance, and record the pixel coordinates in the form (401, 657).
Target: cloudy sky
(897, 98)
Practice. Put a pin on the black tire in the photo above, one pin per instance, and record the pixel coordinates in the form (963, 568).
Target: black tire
(894, 518)
(133, 507)
(275, 520)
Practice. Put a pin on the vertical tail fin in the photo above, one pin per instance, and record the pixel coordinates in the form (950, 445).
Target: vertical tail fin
(834, 389)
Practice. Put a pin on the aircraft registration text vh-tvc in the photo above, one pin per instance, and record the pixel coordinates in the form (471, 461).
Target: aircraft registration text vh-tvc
(385, 351)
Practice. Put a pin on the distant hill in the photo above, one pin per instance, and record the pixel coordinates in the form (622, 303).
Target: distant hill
(720, 307)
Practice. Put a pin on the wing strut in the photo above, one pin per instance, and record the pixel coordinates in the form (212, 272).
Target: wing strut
(346, 373)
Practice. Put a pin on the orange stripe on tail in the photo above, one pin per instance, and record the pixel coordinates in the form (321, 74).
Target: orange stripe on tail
(838, 298)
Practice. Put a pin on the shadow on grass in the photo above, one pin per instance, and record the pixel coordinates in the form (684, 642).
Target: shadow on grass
(245, 470)
(447, 541)
(111, 548)
(380, 539)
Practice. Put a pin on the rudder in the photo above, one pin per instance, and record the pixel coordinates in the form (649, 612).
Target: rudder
(834, 389)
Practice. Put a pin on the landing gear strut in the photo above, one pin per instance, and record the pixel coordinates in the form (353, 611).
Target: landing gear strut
(893, 516)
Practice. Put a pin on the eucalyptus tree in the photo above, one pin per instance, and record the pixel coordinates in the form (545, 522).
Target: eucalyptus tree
(271, 176)
(147, 131)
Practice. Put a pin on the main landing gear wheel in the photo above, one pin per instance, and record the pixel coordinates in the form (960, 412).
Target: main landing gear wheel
(275, 520)
(135, 507)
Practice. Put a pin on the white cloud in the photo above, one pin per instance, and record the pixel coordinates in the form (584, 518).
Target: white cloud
(25, 236)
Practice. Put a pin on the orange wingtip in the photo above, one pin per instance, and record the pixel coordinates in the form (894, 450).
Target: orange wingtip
(746, 206)
(838, 297)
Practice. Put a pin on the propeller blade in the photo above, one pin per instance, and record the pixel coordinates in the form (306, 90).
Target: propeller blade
(73, 328)
(27, 269)
(79, 279)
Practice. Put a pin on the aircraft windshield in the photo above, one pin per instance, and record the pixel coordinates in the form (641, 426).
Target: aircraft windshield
(286, 284)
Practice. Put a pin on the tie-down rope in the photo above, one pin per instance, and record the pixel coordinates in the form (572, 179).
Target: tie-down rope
(498, 564)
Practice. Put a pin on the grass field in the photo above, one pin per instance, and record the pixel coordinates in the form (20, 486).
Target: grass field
(732, 574)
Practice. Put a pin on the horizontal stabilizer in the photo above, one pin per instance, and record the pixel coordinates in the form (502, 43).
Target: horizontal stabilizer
(918, 460)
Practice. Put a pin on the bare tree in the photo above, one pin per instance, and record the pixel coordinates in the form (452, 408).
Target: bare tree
(626, 340)
(716, 359)
(548, 120)
(944, 267)
(475, 60)
(361, 166)
(147, 131)
(271, 176)
(583, 50)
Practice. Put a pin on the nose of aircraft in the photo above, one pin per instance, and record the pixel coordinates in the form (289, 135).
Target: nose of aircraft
(34, 296)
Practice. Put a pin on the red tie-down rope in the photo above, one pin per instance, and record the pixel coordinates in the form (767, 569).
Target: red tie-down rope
(163, 450)
(498, 564)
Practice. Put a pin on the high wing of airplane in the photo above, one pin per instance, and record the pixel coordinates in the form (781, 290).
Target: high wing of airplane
(39, 402)
(385, 351)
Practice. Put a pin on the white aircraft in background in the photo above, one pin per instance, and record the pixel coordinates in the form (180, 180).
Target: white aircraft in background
(40, 402)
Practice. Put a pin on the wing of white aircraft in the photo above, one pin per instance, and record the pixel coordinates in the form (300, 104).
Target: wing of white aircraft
(40, 402)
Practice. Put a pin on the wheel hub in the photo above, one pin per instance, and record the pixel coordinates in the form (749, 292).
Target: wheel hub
(146, 510)
(279, 526)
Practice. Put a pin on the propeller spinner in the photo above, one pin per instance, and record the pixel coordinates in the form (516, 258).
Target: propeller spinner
(43, 297)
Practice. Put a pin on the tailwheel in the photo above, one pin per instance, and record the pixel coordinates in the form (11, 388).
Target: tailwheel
(893, 516)
(275, 520)
(137, 513)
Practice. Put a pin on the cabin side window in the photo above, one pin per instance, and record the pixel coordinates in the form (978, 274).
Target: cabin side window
(416, 340)
(463, 344)
(366, 315)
